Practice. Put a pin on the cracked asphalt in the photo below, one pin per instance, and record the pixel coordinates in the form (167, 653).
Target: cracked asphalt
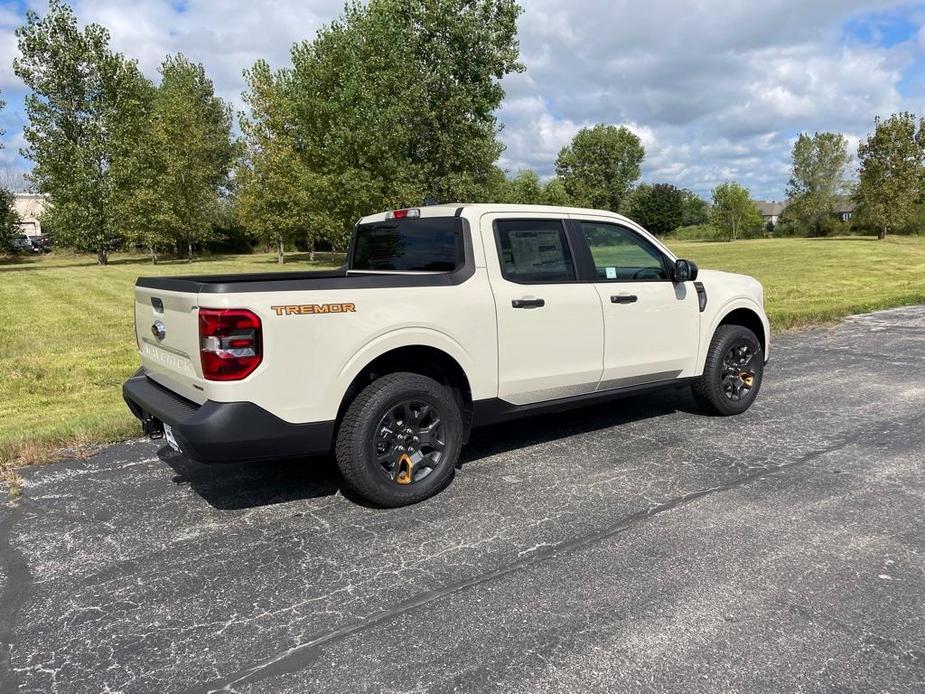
(638, 545)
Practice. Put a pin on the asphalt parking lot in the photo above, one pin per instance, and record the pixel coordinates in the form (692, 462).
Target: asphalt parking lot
(636, 546)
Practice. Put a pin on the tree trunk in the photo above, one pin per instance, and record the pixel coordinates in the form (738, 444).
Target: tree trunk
(102, 256)
(189, 251)
(153, 255)
(280, 250)
(882, 234)
(311, 248)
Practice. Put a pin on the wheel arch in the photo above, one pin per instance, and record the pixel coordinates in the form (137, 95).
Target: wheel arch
(742, 312)
(422, 359)
(747, 318)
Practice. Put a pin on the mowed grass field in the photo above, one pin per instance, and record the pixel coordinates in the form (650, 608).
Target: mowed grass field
(66, 341)
(66, 345)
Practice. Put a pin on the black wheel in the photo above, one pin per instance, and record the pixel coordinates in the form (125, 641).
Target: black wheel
(399, 440)
(732, 373)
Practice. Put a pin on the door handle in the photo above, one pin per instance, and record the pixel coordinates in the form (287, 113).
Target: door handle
(624, 299)
(528, 303)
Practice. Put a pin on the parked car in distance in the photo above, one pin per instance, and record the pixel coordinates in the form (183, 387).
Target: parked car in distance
(22, 244)
(41, 244)
(443, 319)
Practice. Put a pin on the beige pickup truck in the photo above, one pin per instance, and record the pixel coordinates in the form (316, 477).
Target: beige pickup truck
(443, 319)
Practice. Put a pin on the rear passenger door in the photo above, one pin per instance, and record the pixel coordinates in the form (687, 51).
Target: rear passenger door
(550, 331)
(651, 324)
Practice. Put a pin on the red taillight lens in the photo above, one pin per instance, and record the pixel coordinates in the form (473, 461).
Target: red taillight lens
(229, 343)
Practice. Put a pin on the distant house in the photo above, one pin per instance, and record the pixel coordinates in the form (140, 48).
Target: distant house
(844, 208)
(29, 207)
(770, 211)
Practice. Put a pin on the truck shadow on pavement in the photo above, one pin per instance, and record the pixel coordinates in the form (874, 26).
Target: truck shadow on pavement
(240, 486)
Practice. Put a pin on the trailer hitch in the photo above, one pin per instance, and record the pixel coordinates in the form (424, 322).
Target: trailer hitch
(152, 427)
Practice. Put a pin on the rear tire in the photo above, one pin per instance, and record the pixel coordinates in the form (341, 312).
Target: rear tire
(732, 373)
(399, 440)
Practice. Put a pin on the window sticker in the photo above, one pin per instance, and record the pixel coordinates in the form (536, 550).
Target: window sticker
(611, 273)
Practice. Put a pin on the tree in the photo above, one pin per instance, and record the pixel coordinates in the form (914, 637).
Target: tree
(818, 177)
(600, 166)
(278, 196)
(191, 129)
(554, 193)
(659, 207)
(733, 210)
(694, 209)
(80, 92)
(396, 100)
(9, 220)
(892, 172)
(525, 188)
(138, 170)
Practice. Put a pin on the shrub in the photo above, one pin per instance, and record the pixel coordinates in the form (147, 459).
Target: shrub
(698, 232)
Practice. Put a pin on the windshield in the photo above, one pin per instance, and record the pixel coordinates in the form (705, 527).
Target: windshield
(432, 244)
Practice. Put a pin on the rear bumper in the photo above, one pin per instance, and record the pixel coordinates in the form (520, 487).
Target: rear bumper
(220, 432)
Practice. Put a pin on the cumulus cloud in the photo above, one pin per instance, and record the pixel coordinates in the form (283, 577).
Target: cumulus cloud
(716, 89)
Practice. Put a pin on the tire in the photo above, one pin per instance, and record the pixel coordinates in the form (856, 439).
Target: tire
(731, 378)
(380, 460)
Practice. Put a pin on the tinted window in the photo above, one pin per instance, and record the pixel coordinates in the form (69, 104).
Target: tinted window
(534, 251)
(621, 254)
(409, 245)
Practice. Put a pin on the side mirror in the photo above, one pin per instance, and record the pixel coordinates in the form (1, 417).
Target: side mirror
(684, 271)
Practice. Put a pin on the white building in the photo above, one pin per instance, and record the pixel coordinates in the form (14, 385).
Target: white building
(29, 207)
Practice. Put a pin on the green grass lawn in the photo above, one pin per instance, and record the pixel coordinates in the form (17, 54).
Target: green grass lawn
(66, 341)
(810, 281)
(66, 345)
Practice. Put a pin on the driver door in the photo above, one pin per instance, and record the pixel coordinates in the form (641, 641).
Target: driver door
(651, 324)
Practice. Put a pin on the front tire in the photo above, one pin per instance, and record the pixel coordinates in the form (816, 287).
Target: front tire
(399, 441)
(732, 373)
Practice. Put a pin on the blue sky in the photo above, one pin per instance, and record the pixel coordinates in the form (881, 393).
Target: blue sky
(717, 90)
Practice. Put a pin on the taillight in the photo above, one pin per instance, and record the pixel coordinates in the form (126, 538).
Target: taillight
(229, 343)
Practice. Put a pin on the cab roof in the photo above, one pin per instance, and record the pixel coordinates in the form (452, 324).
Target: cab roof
(458, 209)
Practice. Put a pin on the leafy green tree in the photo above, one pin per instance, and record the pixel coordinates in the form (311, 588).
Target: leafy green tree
(818, 177)
(554, 193)
(734, 213)
(525, 188)
(278, 197)
(659, 207)
(9, 220)
(694, 209)
(892, 172)
(396, 100)
(600, 166)
(192, 132)
(138, 170)
(79, 94)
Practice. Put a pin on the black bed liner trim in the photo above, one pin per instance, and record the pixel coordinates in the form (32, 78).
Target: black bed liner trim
(304, 281)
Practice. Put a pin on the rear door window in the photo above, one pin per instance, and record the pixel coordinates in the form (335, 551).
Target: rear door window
(432, 244)
(534, 251)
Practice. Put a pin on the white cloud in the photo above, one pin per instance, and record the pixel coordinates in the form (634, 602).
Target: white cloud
(716, 89)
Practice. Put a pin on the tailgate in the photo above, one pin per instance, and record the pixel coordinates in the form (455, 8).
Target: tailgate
(167, 328)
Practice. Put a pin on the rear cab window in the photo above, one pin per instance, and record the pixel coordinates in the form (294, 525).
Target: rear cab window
(429, 244)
